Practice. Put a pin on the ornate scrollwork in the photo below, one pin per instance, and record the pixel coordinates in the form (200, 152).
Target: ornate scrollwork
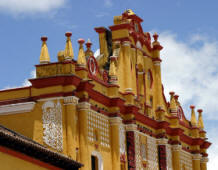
(52, 124)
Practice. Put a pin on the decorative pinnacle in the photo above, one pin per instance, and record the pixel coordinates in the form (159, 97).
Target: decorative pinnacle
(200, 119)
(68, 52)
(200, 110)
(68, 34)
(176, 97)
(89, 43)
(81, 56)
(193, 118)
(155, 36)
(81, 41)
(192, 107)
(44, 55)
(171, 93)
(44, 38)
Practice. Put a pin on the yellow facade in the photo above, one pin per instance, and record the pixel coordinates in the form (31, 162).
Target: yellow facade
(108, 112)
(9, 162)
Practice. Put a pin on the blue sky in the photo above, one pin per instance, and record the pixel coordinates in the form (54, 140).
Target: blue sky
(188, 31)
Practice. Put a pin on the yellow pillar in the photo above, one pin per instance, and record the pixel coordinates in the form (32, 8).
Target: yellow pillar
(133, 59)
(141, 82)
(115, 142)
(204, 161)
(70, 103)
(158, 84)
(85, 157)
(127, 66)
(176, 149)
(196, 161)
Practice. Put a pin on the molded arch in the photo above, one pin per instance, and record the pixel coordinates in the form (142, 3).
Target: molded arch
(100, 161)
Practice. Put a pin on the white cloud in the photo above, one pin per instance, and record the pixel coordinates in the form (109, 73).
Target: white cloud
(26, 81)
(190, 69)
(213, 150)
(97, 53)
(17, 7)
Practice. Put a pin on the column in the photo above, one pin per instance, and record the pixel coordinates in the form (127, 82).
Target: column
(158, 84)
(115, 142)
(204, 161)
(176, 149)
(196, 161)
(70, 103)
(85, 157)
(127, 65)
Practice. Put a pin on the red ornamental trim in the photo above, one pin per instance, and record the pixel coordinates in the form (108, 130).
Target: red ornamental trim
(55, 81)
(157, 47)
(131, 150)
(120, 26)
(100, 29)
(27, 158)
(162, 157)
(105, 76)
(92, 66)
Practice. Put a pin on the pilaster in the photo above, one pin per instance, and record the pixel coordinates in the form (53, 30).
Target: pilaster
(115, 123)
(196, 161)
(203, 163)
(83, 109)
(127, 64)
(70, 103)
(176, 149)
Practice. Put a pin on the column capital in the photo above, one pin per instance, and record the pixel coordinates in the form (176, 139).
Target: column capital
(157, 63)
(196, 156)
(162, 141)
(204, 159)
(83, 106)
(115, 121)
(71, 100)
(131, 127)
(126, 43)
(176, 147)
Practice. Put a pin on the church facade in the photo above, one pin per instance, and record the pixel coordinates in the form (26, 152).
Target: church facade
(108, 112)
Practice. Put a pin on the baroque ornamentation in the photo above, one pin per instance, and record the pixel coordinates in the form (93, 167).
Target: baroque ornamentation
(138, 152)
(169, 157)
(152, 153)
(100, 123)
(52, 124)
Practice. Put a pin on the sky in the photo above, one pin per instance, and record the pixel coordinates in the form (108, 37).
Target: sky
(188, 31)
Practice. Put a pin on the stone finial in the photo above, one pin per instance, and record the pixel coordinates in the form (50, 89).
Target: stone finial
(173, 106)
(193, 118)
(89, 52)
(112, 70)
(81, 61)
(155, 36)
(44, 55)
(68, 51)
(200, 119)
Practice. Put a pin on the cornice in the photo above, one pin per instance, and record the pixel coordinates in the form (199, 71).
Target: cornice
(16, 108)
